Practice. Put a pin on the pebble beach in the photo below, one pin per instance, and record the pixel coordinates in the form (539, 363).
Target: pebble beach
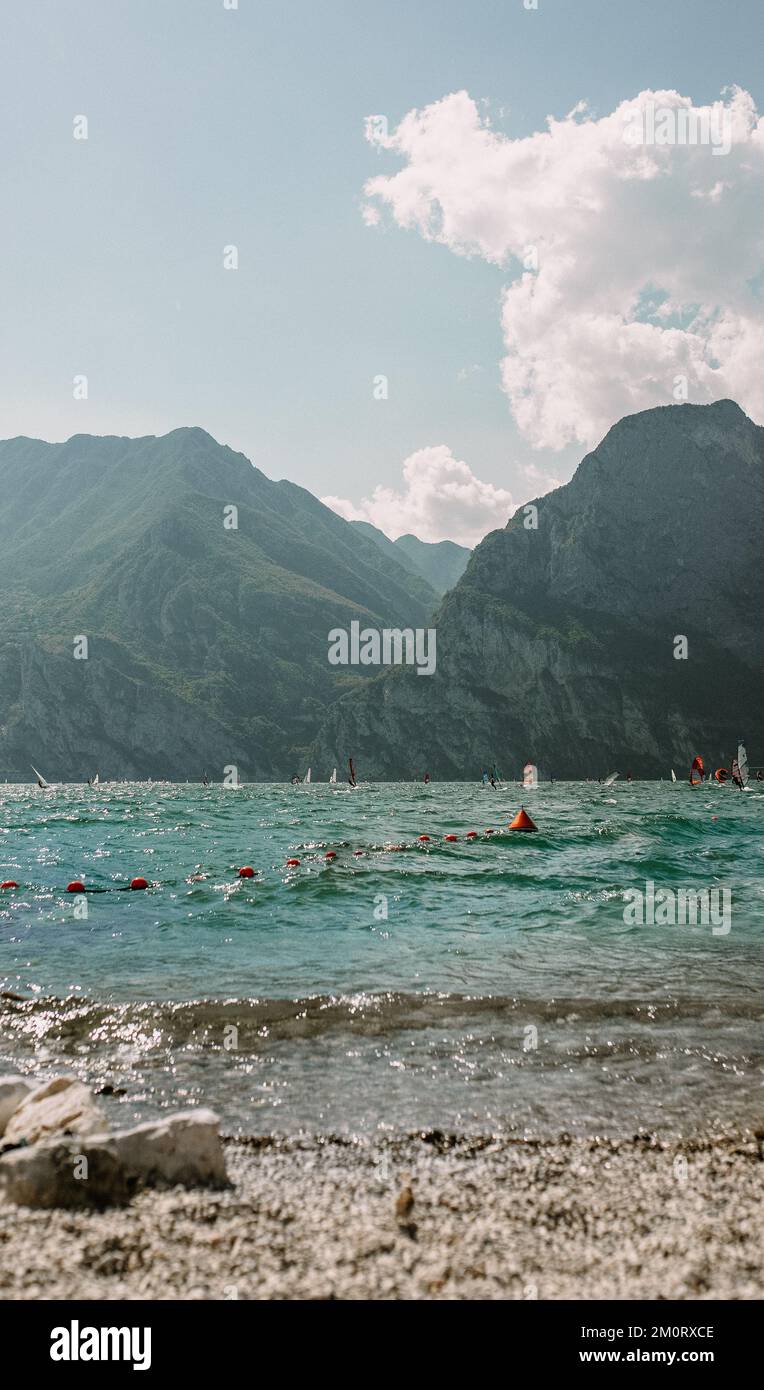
(428, 1216)
(451, 1071)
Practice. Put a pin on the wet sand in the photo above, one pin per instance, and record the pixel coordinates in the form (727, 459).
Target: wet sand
(426, 1217)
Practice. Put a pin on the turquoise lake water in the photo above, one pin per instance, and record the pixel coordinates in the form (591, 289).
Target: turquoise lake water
(483, 985)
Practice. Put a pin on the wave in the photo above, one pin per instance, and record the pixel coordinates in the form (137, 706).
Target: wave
(74, 1022)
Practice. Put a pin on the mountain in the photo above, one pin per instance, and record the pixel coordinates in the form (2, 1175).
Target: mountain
(440, 563)
(207, 645)
(557, 645)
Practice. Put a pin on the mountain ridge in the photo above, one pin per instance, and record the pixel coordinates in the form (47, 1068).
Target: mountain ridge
(440, 563)
(557, 643)
(209, 648)
(216, 637)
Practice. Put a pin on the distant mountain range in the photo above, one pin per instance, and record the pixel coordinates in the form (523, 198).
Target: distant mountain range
(207, 645)
(441, 563)
(558, 643)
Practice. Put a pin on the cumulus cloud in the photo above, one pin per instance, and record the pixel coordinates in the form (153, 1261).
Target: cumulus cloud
(539, 481)
(634, 257)
(441, 499)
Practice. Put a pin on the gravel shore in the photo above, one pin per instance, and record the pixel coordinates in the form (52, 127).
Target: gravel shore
(428, 1216)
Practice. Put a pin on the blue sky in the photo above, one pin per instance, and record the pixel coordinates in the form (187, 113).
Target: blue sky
(210, 127)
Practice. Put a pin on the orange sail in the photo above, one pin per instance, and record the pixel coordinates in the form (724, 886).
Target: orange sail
(696, 772)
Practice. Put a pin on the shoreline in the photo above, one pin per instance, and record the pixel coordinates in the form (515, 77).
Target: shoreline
(424, 1216)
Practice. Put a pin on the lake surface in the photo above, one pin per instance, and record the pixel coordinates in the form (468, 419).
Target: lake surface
(490, 984)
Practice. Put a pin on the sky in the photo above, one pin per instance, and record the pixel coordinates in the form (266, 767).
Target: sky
(382, 340)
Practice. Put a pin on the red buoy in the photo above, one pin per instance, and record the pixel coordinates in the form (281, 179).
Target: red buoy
(293, 863)
(522, 821)
(450, 837)
(75, 886)
(138, 883)
(424, 837)
(490, 832)
(9, 883)
(330, 854)
(246, 872)
(472, 834)
(357, 852)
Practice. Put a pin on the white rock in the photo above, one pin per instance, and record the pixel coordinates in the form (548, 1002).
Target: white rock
(97, 1170)
(58, 1106)
(12, 1091)
(64, 1172)
(181, 1148)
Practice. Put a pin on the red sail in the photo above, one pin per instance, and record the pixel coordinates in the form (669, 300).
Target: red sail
(697, 767)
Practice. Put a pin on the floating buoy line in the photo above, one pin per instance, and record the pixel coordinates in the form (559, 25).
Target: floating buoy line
(522, 821)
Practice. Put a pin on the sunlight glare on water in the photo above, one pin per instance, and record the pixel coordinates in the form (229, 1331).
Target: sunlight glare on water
(482, 984)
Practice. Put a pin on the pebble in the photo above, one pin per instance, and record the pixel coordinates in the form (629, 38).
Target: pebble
(311, 1219)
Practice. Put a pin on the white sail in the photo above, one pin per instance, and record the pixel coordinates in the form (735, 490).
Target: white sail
(307, 775)
(530, 775)
(333, 777)
(95, 781)
(40, 779)
(608, 782)
(742, 762)
(673, 775)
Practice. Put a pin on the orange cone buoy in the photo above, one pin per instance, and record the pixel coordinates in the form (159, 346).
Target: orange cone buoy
(450, 837)
(522, 821)
(293, 863)
(75, 886)
(247, 871)
(9, 883)
(330, 854)
(139, 883)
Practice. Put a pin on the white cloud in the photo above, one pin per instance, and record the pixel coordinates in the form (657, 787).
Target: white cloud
(588, 222)
(441, 499)
(539, 480)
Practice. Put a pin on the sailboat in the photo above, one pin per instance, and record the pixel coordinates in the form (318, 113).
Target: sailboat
(93, 781)
(673, 775)
(351, 779)
(608, 782)
(333, 777)
(41, 782)
(530, 775)
(696, 771)
(307, 776)
(742, 762)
